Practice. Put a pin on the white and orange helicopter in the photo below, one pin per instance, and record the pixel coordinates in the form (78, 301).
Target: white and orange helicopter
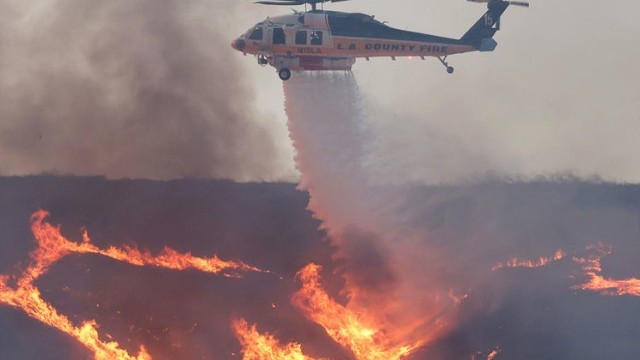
(330, 40)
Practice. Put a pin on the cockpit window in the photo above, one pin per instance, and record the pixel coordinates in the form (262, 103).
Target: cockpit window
(278, 36)
(256, 34)
(316, 37)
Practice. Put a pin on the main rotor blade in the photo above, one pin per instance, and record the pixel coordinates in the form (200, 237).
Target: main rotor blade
(519, 3)
(294, 2)
(281, 2)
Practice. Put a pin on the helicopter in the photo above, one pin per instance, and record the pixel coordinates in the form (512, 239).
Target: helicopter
(330, 40)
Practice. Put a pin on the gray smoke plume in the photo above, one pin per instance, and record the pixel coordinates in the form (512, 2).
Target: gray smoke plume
(139, 89)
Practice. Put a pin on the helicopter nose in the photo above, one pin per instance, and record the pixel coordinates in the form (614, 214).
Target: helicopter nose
(238, 44)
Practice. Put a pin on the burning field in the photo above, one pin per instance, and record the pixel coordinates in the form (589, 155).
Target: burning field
(335, 267)
(131, 273)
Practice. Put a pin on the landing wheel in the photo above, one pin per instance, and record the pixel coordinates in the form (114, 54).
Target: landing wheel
(444, 62)
(284, 73)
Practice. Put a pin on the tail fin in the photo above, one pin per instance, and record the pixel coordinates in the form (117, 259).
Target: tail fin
(480, 35)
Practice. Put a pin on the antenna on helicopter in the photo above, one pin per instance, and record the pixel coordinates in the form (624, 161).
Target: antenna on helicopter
(313, 3)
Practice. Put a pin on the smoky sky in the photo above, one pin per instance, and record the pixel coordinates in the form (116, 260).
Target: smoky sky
(137, 89)
(151, 89)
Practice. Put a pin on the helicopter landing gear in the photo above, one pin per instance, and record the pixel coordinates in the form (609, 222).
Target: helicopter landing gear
(446, 64)
(284, 74)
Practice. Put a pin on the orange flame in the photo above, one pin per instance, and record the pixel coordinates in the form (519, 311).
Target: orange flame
(343, 325)
(542, 261)
(492, 355)
(28, 299)
(257, 346)
(592, 268)
(53, 246)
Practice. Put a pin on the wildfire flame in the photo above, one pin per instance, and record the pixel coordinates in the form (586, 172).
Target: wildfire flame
(343, 325)
(53, 246)
(592, 268)
(542, 261)
(28, 299)
(257, 346)
(492, 355)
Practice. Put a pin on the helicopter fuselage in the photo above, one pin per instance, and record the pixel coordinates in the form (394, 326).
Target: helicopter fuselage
(330, 40)
(327, 40)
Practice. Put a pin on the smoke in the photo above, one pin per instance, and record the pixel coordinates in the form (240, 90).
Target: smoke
(135, 89)
(503, 112)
